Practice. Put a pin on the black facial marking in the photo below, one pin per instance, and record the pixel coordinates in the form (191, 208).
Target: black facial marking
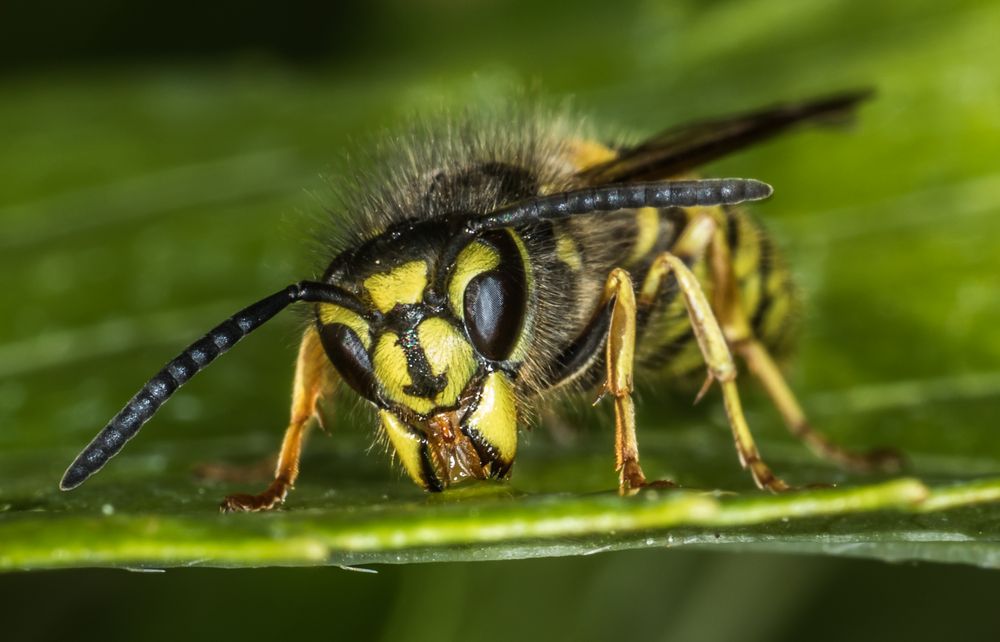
(487, 454)
(732, 230)
(431, 481)
(405, 316)
(424, 383)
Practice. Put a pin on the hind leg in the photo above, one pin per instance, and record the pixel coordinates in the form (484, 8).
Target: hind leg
(736, 327)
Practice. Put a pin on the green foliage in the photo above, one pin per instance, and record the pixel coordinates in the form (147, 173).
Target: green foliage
(139, 207)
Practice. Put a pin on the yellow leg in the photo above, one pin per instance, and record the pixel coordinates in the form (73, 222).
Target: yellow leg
(715, 351)
(697, 235)
(311, 381)
(619, 361)
(729, 308)
(766, 370)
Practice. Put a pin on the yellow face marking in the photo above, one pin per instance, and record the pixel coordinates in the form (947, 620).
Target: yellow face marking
(406, 443)
(584, 154)
(567, 251)
(520, 350)
(647, 222)
(330, 314)
(495, 418)
(448, 353)
(402, 284)
(389, 362)
(476, 258)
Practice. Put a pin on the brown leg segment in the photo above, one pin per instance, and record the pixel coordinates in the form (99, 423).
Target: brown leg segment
(767, 372)
(311, 381)
(736, 328)
(715, 350)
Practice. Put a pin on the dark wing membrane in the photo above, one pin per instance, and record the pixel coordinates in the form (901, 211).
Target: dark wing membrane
(682, 148)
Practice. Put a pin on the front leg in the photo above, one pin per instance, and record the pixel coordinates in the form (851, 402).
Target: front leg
(312, 373)
(619, 361)
(619, 364)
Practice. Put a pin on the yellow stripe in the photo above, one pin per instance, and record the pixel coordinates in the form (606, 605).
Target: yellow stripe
(782, 306)
(330, 314)
(775, 320)
(688, 359)
(495, 417)
(584, 154)
(697, 233)
(750, 293)
(567, 250)
(390, 370)
(406, 443)
(746, 256)
(520, 350)
(647, 222)
(476, 258)
(448, 354)
(403, 284)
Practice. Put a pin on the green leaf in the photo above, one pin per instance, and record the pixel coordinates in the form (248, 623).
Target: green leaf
(138, 208)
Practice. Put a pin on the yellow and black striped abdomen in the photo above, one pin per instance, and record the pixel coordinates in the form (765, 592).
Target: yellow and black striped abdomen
(666, 342)
(766, 287)
(573, 272)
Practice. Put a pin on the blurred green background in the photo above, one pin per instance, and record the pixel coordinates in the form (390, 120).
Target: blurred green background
(160, 166)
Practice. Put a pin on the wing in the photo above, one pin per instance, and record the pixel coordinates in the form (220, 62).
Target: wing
(682, 148)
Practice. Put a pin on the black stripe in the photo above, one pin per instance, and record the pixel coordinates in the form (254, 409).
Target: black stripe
(669, 351)
(732, 230)
(578, 354)
(764, 267)
(424, 383)
(678, 220)
(431, 482)
(665, 296)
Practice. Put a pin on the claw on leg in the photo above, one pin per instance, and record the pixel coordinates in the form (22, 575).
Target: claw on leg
(721, 368)
(766, 371)
(270, 499)
(746, 449)
(620, 357)
(312, 374)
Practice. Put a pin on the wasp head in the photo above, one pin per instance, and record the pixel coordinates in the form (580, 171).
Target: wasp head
(436, 348)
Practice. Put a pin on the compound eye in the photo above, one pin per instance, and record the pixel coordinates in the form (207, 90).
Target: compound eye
(349, 357)
(494, 307)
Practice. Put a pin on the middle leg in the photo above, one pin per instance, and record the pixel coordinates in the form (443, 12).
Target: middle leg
(715, 351)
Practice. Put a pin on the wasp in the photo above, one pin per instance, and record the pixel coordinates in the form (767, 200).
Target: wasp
(487, 268)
